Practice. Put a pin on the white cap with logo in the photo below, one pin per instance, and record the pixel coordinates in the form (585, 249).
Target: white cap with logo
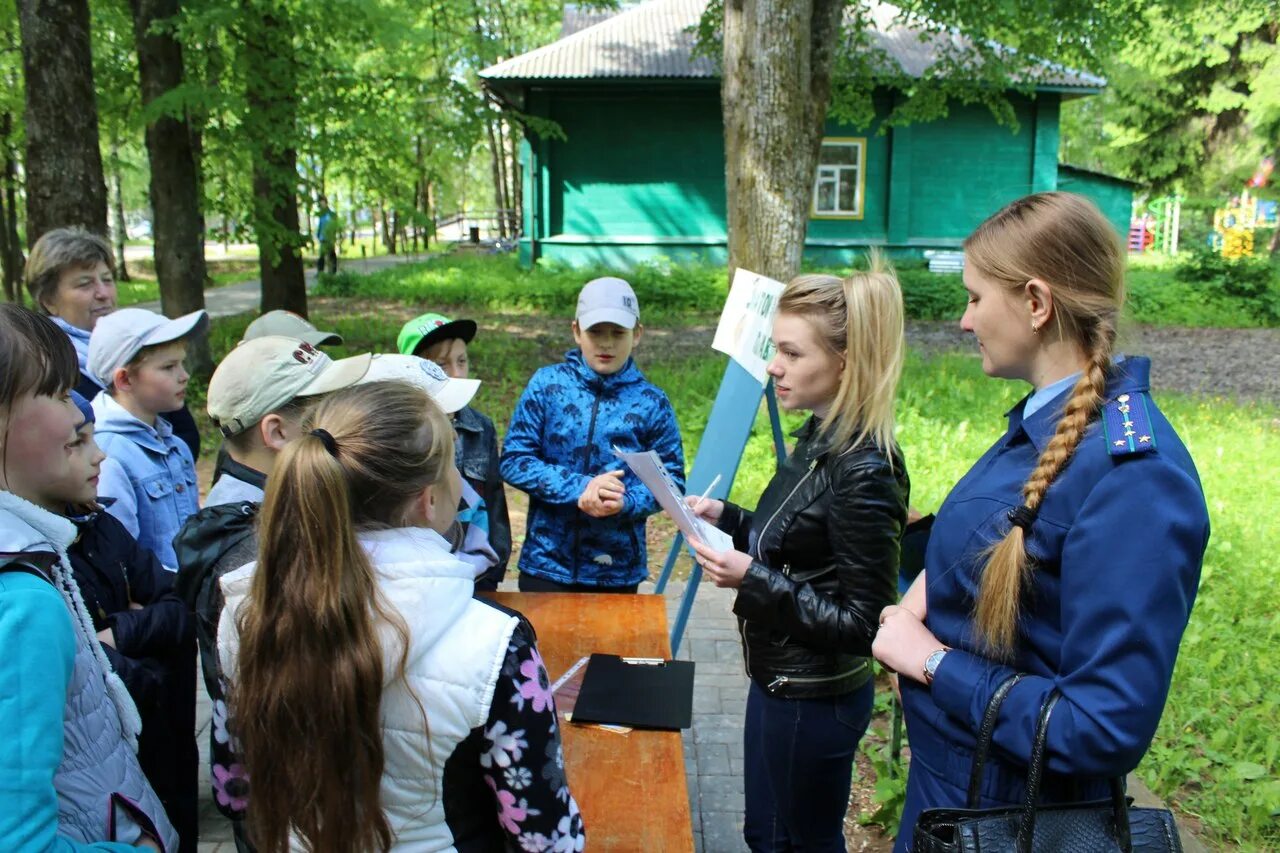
(450, 394)
(262, 375)
(607, 300)
(121, 335)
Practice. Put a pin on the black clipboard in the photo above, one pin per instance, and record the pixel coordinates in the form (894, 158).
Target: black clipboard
(645, 693)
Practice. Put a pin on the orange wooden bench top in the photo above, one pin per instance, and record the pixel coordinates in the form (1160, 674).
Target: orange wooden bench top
(631, 787)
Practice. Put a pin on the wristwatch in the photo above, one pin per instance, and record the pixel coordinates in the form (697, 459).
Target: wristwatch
(932, 662)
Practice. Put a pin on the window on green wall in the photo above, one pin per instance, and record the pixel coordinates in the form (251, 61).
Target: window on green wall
(841, 178)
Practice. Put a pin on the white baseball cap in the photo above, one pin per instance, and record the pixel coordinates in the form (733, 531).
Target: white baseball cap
(259, 376)
(607, 300)
(122, 334)
(450, 394)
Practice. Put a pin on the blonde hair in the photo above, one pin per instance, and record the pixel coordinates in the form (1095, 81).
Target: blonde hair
(860, 320)
(313, 745)
(1065, 241)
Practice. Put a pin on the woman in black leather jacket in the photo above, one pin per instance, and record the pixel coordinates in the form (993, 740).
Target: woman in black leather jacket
(818, 558)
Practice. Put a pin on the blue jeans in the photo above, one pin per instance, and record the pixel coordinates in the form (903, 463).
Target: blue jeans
(799, 765)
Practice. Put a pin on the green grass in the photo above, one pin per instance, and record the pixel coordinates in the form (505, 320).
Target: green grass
(1216, 756)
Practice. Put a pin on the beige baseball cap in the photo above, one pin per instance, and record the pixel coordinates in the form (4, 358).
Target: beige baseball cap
(261, 375)
(289, 325)
(450, 394)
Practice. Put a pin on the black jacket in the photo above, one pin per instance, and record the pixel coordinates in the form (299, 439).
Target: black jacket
(825, 541)
(154, 654)
(214, 541)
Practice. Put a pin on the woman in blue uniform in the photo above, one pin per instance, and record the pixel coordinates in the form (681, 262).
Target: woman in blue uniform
(1070, 552)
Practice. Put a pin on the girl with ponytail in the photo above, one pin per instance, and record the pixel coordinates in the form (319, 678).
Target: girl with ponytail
(1070, 552)
(818, 558)
(377, 705)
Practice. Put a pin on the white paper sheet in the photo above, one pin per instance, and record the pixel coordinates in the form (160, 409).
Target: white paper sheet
(648, 467)
(746, 323)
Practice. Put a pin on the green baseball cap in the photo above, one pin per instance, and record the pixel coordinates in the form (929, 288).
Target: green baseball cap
(426, 330)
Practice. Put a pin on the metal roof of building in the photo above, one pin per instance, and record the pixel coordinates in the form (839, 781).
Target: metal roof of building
(656, 40)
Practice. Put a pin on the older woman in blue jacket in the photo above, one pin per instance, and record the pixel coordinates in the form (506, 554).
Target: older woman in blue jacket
(1070, 552)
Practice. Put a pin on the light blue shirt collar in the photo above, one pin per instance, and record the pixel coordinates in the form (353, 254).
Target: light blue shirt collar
(1041, 397)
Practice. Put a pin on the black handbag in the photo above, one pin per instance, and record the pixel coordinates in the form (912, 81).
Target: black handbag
(1098, 826)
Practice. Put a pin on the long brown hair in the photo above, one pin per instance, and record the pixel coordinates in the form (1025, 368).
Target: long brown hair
(1064, 240)
(306, 702)
(859, 319)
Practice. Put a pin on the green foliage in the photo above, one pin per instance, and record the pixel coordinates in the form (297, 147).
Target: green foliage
(1194, 103)
(1204, 289)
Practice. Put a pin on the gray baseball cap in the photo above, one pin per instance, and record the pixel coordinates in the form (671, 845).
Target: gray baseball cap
(289, 325)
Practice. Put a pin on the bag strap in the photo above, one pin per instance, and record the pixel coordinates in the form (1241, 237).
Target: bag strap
(26, 569)
(985, 732)
(1035, 774)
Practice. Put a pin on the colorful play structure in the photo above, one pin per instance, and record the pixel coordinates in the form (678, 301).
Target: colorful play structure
(1234, 224)
(1156, 228)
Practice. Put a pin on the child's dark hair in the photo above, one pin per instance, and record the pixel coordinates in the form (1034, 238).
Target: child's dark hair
(36, 357)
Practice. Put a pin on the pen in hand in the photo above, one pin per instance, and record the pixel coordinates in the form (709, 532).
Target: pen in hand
(703, 497)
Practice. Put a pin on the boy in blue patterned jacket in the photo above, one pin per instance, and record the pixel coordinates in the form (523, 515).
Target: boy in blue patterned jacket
(585, 530)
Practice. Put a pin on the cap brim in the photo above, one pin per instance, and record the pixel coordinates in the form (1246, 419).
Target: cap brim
(319, 338)
(625, 319)
(197, 322)
(342, 373)
(456, 394)
(464, 329)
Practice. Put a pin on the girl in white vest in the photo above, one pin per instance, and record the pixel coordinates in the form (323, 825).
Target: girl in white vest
(378, 706)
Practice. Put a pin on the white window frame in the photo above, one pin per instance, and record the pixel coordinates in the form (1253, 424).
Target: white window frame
(837, 174)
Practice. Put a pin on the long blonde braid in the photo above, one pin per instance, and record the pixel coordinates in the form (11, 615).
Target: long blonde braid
(1064, 240)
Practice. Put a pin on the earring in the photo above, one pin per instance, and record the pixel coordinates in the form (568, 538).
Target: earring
(1035, 328)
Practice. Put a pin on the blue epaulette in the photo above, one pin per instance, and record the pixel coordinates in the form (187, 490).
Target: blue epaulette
(1126, 423)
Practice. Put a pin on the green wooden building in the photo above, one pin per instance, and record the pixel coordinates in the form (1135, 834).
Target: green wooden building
(640, 172)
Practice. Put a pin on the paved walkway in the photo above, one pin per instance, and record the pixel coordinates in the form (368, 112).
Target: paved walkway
(247, 295)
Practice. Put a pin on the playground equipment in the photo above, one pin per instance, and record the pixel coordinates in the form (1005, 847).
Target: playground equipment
(1233, 225)
(1156, 228)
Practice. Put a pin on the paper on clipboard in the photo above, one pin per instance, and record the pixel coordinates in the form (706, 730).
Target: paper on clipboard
(648, 467)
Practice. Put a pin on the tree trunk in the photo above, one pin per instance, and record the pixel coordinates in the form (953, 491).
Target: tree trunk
(495, 165)
(63, 167)
(271, 93)
(517, 186)
(118, 227)
(176, 222)
(11, 258)
(775, 90)
(12, 286)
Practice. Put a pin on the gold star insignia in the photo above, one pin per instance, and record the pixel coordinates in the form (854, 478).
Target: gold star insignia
(1128, 423)
(1119, 442)
(1128, 432)
(1144, 438)
(1124, 408)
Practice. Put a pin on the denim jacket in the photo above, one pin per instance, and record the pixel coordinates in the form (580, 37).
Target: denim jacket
(562, 434)
(155, 482)
(476, 452)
